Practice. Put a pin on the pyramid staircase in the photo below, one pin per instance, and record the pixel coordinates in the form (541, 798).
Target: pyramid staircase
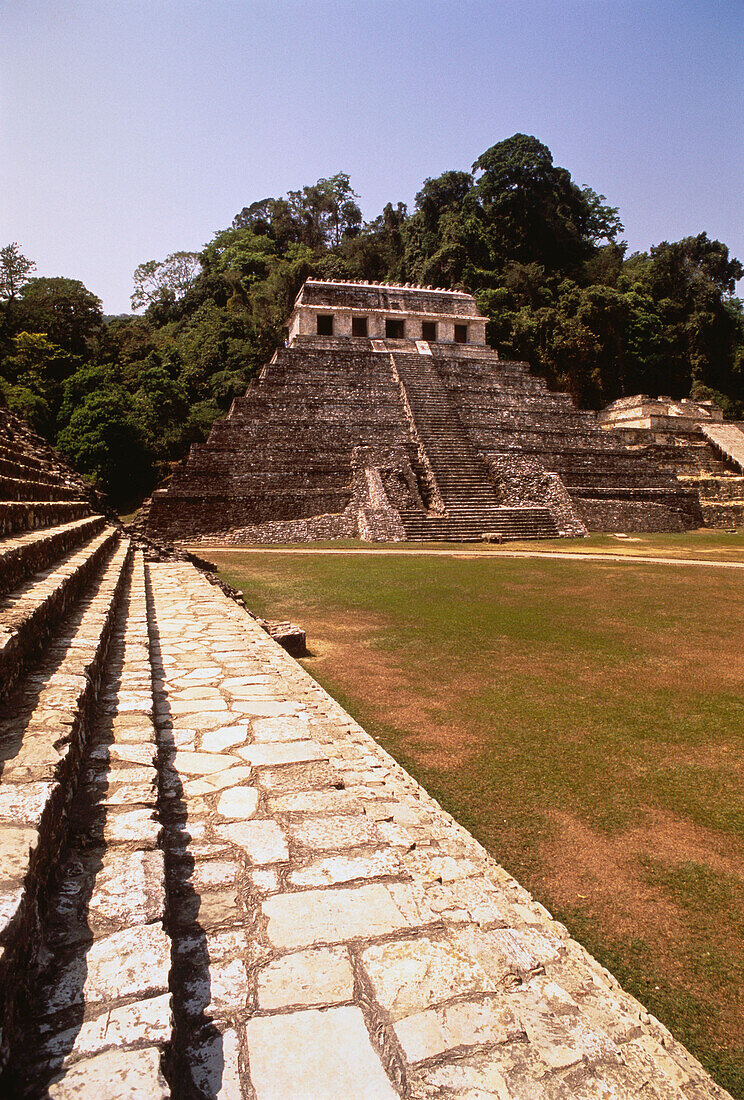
(728, 439)
(62, 569)
(471, 504)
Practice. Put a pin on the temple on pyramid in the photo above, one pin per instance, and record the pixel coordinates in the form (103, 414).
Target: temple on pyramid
(387, 417)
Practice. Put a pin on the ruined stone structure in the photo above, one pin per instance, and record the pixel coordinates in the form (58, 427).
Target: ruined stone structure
(388, 417)
(690, 440)
(214, 883)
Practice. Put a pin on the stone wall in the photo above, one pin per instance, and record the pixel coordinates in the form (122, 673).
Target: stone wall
(522, 480)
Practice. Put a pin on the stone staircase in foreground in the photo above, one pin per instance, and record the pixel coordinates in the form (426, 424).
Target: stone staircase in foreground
(471, 503)
(214, 883)
(62, 568)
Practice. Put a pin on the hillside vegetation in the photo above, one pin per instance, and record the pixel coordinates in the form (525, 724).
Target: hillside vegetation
(124, 397)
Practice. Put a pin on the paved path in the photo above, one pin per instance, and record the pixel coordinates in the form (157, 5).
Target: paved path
(334, 933)
(554, 555)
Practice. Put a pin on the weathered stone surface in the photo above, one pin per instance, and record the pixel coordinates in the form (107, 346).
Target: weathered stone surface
(131, 962)
(15, 841)
(202, 763)
(262, 841)
(119, 1027)
(282, 752)
(462, 1024)
(332, 1057)
(411, 975)
(210, 783)
(129, 889)
(23, 803)
(322, 801)
(225, 738)
(213, 1066)
(240, 802)
(117, 1075)
(334, 869)
(289, 728)
(331, 916)
(332, 832)
(319, 977)
(223, 989)
(140, 826)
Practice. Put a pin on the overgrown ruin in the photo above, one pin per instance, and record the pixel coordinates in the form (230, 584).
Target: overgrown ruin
(387, 417)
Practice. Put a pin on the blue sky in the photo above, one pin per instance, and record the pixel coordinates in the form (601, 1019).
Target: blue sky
(131, 130)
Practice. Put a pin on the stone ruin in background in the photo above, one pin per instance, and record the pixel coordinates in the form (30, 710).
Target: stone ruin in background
(387, 417)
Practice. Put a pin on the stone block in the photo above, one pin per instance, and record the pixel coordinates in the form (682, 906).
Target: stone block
(262, 841)
(282, 752)
(238, 802)
(332, 916)
(332, 1057)
(119, 1027)
(411, 975)
(464, 1024)
(117, 1075)
(334, 832)
(335, 869)
(134, 961)
(319, 977)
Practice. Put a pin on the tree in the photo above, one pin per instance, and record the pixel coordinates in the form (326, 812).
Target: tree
(104, 442)
(14, 270)
(64, 309)
(534, 211)
(167, 279)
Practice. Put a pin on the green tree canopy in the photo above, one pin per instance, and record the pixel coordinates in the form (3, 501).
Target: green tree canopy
(64, 309)
(167, 279)
(15, 269)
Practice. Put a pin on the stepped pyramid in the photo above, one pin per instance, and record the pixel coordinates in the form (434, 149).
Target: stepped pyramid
(386, 416)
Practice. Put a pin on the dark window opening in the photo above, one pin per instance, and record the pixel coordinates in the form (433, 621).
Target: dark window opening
(358, 326)
(394, 330)
(428, 330)
(325, 324)
(461, 334)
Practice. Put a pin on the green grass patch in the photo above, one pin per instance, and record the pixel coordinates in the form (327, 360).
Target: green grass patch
(583, 719)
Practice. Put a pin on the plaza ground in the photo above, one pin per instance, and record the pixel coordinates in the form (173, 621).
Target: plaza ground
(583, 719)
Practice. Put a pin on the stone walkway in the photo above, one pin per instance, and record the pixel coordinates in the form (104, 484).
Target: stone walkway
(293, 918)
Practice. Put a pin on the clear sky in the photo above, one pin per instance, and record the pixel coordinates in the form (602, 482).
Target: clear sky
(129, 130)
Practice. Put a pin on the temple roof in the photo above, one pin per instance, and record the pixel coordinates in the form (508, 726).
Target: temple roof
(334, 294)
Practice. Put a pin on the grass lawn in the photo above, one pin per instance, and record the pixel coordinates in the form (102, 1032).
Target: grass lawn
(584, 720)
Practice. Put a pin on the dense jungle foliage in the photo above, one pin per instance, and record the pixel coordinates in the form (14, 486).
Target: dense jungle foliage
(124, 397)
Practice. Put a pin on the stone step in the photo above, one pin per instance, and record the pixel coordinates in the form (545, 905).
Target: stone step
(29, 515)
(44, 727)
(472, 525)
(10, 451)
(12, 488)
(29, 615)
(19, 468)
(24, 554)
(97, 1012)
